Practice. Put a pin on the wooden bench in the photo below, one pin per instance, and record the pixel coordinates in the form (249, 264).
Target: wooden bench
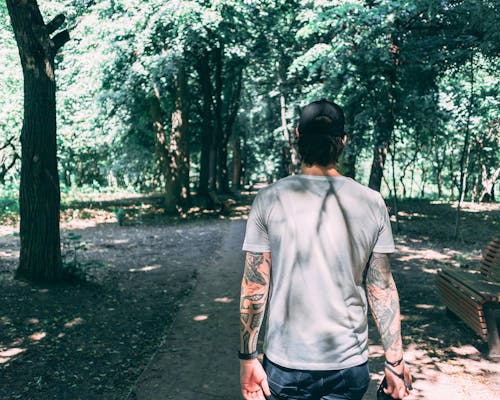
(474, 296)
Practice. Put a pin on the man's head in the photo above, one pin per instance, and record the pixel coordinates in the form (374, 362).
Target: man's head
(321, 133)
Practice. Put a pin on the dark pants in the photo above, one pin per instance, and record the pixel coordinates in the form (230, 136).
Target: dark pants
(349, 383)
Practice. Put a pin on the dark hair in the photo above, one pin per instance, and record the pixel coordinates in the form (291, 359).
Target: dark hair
(321, 129)
(320, 149)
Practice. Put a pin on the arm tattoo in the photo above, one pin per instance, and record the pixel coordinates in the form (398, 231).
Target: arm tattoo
(384, 302)
(252, 273)
(254, 290)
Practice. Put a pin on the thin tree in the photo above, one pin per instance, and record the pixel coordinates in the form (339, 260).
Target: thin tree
(39, 197)
(464, 158)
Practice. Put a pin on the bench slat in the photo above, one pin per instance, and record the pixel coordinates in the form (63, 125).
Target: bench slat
(465, 292)
(456, 304)
(475, 284)
(459, 299)
(488, 266)
(477, 324)
(490, 263)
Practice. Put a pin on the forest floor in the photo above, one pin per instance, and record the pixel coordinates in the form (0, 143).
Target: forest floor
(129, 332)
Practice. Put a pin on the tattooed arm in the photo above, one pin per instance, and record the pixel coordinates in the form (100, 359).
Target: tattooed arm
(254, 291)
(384, 302)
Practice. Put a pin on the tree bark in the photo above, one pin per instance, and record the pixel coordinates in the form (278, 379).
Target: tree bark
(236, 181)
(233, 105)
(203, 69)
(464, 157)
(177, 181)
(386, 121)
(377, 169)
(39, 197)
(161, 144)
(394, 185)
(488, 185)
(349, 157)
(439, 171)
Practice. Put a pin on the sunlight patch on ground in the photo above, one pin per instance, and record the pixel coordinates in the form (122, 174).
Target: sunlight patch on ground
(8, 230)
(7, 354)
(17, 342)
(9, 254)
(410, 215)
(468, 206)
(223, 300)
(37, 336)
(438, 375)
(202, 317)
(76, 321)
(78, 224)
(119, 241)
(146, 268)
(465, 350)
(420, 254)
(425, 306)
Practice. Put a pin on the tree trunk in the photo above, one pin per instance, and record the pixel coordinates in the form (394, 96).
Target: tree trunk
(464, 158)
(349, 157)
(377, 170)
(385, 124)
(404, 169)
(236, 181)
(203, 69)
(383, 134)
(439, 172)
(349, 164)
(488, 185)
(177, 181)
(233, 105)
(394, 185)
(161, 144)
(424, 181)
(39, 197)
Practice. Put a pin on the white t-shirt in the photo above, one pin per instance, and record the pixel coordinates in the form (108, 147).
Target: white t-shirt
(320, 231)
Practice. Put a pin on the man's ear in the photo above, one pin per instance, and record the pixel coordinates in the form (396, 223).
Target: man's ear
(344, 139)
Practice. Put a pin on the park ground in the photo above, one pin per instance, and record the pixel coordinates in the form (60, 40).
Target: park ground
(158, 317)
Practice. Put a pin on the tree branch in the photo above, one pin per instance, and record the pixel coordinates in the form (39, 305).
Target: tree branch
(8, 143)
(60, 39)
(55, 24)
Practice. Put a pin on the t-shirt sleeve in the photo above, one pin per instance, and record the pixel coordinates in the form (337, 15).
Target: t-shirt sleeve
(385, 241)
(256, 236)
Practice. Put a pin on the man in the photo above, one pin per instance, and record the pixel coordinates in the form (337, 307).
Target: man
(317, 246)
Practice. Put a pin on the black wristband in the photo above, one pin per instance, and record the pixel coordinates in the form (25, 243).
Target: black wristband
(395, 363)
(248, 356)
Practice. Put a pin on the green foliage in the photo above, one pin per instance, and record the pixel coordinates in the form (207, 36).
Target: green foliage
(74, 269)
(120, 215)
(400, 70)
(9, 205)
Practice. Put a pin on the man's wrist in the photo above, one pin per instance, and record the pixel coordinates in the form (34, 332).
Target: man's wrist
(395, 363)
(248, 356)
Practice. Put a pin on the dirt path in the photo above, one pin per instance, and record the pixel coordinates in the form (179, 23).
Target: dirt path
(197, 359)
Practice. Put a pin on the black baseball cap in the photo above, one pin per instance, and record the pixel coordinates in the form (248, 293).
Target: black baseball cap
(322, 117)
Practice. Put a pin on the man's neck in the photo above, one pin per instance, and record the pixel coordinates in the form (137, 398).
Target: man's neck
(328, 170)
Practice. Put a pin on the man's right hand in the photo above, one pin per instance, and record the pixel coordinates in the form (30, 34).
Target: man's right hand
(396, 388)
(253, 380)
